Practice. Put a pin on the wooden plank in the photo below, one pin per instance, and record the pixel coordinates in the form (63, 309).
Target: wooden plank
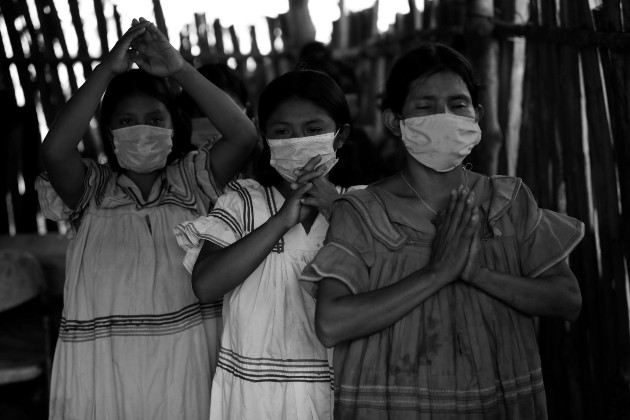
(202, 36)
(218, 36)
(617, 80)
(606, 202)
(82, 48)
(160, 21)
(119, 31)
(101, 26)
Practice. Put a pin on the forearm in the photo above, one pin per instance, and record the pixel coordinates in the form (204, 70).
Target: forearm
(353, 316)
(553, 295)
(59, 149)
(217, 272)
(73, 120)
(224, 113)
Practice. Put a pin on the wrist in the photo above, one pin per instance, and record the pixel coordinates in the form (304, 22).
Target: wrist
(105, 71)
(443, 275)
(184, 71)
(280, 223)
(479, 275)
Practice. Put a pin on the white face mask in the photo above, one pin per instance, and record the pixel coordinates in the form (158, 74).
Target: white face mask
(287, 155)
(142, 148)
(203, 131)
(440, 141)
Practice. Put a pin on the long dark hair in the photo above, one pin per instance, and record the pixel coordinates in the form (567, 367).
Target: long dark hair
(138, 81)
(425, 61)
(309, 85)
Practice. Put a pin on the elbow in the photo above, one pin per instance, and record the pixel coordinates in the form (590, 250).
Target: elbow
(326, 332)
(568, 302)
(573, 306)
(201, 288)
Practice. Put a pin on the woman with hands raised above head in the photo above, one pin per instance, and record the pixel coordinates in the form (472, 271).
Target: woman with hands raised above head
(430, 279)
(253, 246)
(132, 343)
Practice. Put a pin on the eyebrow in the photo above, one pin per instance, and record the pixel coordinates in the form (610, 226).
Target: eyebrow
(124, 114)
(313, 121)
(450, 98)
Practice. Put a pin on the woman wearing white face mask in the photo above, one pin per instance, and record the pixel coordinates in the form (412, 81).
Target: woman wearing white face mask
(430, 279)
(132, 344)
(252, 247)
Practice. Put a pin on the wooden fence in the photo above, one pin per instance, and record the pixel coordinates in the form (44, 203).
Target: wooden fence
(556, 88)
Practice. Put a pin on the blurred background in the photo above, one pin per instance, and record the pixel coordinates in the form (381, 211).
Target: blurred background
(555, 78)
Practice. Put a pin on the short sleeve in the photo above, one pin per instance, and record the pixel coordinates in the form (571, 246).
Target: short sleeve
(53, 207)
(223, 226)
(195, 171)
(348, 252)
(544, 237)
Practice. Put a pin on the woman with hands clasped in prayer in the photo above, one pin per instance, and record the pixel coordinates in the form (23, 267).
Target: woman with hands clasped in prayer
(430, 280)
(251, 249)
(131, 343)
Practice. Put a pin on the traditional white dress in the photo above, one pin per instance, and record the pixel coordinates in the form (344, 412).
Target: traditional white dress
(132, 344)
(271, 364)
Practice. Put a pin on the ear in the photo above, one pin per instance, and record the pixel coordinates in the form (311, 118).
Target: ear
(479, 113)
(342, 136)
(392, 122)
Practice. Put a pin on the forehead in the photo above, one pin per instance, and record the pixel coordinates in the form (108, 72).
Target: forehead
(297, 111)
(139, 103)
(439, 85)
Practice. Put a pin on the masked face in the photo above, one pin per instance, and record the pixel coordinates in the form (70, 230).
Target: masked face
(142, 148)
(287, 155)
(440, 141)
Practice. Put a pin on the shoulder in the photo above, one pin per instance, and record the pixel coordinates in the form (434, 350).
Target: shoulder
(363, 206)
(504, 193)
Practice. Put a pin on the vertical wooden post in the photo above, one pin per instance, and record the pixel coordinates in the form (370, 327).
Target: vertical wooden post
(159, 17)
(101, 25)
(300, 27)
(342, 27)
(202, 37)
(484, 54)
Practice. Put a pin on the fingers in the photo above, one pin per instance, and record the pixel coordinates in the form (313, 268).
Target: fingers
(469, 205)
(309, 201)
(310, 176)
(297, 194)
(132, 33)
(309, 166)
(471, 228)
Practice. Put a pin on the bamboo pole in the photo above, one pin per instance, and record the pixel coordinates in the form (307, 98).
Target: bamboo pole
(119, 31)
(23, 205)
(101, 25)
(82, 49)
(202, 36)
(606, 202)
(484, 51)
(617, 82)
(159, 17)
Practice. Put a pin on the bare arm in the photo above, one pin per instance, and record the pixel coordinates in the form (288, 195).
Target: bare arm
(59, 149)
(219, 270)
(556, 293)
(158, 57)
(238, 132)
(341, 315)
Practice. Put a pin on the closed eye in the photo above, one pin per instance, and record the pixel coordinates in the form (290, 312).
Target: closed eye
(313, 130)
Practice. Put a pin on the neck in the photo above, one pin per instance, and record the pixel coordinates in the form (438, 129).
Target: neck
(434, 187)
(144, 182)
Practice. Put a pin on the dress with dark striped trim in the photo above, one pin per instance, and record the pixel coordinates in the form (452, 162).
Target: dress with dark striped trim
(133, 325)
(261, 369)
